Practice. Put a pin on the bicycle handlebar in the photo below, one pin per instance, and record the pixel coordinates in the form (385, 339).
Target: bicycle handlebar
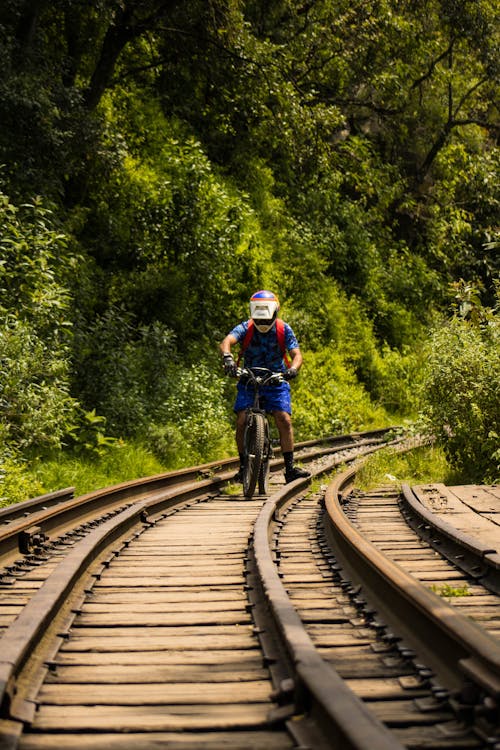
(259, 376)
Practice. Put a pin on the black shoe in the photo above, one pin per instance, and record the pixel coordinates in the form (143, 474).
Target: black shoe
(296, 473)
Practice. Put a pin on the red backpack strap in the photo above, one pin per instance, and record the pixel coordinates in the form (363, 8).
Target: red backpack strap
(246, 341)
(280, 333)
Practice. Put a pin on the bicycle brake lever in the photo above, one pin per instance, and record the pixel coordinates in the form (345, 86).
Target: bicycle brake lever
(276, 379)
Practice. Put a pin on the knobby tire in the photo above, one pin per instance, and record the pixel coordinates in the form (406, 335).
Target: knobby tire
(265, 465)
(254, 453)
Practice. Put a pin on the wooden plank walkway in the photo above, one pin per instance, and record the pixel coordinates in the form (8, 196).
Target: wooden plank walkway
(163, 651)
(472, 509)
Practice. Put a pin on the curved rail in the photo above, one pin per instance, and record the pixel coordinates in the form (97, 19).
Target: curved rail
(343, 719)
(455, 647)
(144, 496)
(28, 524)
(27, 631)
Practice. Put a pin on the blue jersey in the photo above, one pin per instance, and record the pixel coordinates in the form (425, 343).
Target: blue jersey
(264, 350)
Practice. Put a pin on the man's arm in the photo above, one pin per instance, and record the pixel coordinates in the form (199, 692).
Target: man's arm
(227, 343)
(296, 362)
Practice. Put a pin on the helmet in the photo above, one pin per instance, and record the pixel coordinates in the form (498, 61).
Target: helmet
(264, 308)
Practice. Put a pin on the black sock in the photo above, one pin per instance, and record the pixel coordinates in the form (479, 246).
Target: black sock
(288, 458)
(242, 460)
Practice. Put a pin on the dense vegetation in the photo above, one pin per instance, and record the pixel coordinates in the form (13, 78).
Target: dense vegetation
(163, 159)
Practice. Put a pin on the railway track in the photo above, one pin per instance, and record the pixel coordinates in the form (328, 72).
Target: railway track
(171, 612)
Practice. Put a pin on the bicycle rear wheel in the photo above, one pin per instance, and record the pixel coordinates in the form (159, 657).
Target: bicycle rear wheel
(254, 452)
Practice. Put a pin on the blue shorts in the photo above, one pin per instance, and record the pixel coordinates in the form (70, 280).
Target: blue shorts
(272, 397)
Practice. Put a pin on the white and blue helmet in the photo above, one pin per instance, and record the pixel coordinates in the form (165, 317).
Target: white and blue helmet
(264, 306)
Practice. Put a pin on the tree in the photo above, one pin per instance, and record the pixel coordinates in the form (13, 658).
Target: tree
(36, 406)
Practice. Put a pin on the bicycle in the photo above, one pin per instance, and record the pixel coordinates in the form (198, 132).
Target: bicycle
(257, 447)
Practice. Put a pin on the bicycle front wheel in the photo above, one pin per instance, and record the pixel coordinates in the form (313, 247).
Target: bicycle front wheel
(265, 465)
(254, 452)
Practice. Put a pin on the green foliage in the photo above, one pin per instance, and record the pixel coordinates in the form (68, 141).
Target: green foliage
(395, 380)
(88, 436)
(420, 465)
(124, 369)
(37, 406)
(16, 483)
(327, 399)
(86, 472)
(461, 395)
(388, 375)
(34, 269)
(193, 425)
(463, 213)
(172, 233)
(342, 154)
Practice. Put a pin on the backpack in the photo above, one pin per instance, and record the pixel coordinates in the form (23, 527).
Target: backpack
(280, 333)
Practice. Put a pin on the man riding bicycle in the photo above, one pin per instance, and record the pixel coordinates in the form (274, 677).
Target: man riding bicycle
(265, 339)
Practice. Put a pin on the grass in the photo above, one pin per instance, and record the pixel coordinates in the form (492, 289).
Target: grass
(449, 592)
(422, 465)
(126, 461)
(118, 464)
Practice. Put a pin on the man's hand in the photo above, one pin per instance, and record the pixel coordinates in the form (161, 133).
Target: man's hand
(290, 374)
(229, 365)
(276, 379)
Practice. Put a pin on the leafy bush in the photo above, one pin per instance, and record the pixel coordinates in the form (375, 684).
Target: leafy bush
(395, 380)
(327, 399)
(37, 408)
(88, 435)
(355, 355)
(195, 422)
(16, 484)
(123, 370)
(35, 265)
(461, 395)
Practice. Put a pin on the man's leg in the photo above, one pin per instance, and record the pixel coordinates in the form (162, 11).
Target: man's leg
(284, 424)
(240, 432)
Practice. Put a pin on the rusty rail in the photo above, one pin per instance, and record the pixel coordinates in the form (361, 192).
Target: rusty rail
(456, 648)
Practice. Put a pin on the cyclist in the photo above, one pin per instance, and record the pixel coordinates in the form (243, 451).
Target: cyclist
(265, 339)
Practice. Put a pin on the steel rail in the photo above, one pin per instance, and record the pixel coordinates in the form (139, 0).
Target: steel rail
(51, 609)
(26, 633)
(314, 687)
(42, 521)
(456, 648)
(343, 719)
(32, 521)
(10, 512)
